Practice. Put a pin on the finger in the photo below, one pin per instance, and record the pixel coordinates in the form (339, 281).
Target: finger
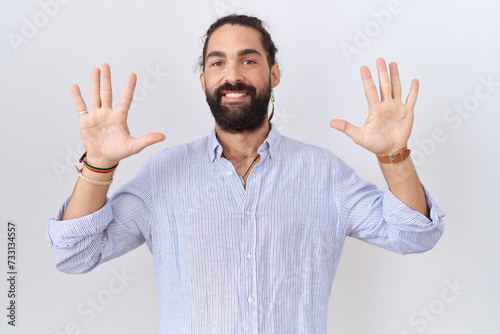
(383, 80)
(78, 99)
(343, 126)
(412, 95)
(369, 86)
(95, 97)
(106, 95)
(141, 143)
(395, 81)
(128, 93)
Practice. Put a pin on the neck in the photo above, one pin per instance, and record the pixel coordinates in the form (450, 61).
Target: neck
(242, 145)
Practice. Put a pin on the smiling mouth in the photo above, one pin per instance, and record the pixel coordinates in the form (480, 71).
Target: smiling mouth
(234, 96)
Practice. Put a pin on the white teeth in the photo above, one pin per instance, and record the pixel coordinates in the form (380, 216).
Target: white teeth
(235, 94)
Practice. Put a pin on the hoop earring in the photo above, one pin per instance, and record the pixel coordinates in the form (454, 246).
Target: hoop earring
(272, 101)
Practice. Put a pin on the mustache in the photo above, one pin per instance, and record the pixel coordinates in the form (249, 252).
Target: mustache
(237, 87)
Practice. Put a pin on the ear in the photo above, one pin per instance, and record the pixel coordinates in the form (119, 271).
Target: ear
(202, 81)
(275, 75)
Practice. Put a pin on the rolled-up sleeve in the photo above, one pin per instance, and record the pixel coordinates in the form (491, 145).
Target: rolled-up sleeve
(380, 218)
(122, 224)
(409, 230)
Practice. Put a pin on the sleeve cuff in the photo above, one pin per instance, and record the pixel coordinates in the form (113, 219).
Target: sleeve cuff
(395, 212)
(66, 233)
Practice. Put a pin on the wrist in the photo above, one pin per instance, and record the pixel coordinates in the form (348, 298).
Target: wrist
(394, 158)
(98, 165)
(97, 176)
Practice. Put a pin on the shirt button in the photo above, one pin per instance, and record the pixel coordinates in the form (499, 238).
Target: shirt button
(250, 300)
(229, 173)
(247, 213)
(272, 152)
(249, 256)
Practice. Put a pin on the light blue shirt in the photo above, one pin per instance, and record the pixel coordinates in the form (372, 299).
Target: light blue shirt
(234, 261)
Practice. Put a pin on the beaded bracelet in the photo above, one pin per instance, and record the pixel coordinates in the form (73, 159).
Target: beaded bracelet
(96, 169)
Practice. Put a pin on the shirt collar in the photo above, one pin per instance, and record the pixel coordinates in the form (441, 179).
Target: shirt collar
(269, 146)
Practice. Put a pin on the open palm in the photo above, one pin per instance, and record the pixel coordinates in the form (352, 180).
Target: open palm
(389, 123)
(104, 130)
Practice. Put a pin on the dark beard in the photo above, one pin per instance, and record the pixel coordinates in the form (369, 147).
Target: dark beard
(240, 117)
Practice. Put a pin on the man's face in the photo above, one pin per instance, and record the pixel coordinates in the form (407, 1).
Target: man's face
(237, 80)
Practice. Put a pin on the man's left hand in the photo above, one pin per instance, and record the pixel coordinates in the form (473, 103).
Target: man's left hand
(389, 121)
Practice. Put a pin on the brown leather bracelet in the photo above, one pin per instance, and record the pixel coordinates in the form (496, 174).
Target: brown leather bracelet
(394, 158)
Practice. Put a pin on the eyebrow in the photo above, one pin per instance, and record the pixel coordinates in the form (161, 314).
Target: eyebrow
(240, 53)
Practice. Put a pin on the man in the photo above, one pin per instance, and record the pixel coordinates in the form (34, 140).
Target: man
(246, 226)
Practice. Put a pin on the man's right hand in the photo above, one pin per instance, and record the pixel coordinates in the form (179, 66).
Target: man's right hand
(104, 130)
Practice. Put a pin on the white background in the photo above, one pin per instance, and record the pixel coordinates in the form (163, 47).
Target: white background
(452, 47)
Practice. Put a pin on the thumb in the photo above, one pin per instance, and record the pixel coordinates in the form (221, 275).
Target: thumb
(343, 126)
(141, 143)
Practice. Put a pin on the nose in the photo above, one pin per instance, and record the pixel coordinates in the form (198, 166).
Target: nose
(233, 73)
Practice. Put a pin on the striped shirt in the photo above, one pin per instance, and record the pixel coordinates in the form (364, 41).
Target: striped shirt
(230, 260)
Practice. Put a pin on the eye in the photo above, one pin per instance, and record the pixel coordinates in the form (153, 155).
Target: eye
(248, 62)
(216, 63)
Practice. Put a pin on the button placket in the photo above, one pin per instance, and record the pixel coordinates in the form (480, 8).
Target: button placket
(250, 220)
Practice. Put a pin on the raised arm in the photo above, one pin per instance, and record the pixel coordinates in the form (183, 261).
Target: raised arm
(387, 130)
(106, 137)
